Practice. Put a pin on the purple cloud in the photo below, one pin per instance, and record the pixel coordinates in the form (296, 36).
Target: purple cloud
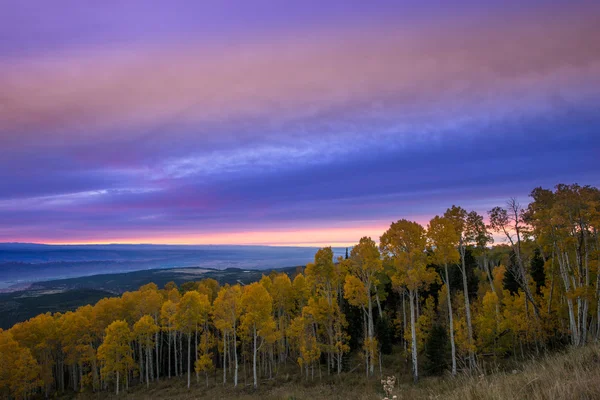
(122, 122)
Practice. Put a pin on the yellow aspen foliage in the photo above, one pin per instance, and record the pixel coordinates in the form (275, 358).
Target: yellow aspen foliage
(209, 287)
(498, 276)
(257, 306)
(105, 312)
(167, 315)
(425, 322)
(301, 291)
(227, 308)
(115, 353)
(77, 341)
(266, 281)
(173, 295)
(461, 328)
(149, 302)
(282, 293)
(488, 322)
(283, 307)
(19, 371)
(320, 275)
(363, 266)
(403, 245)
(192, 311)
(204, 363)
(226, 313)
(143, 332)
(355, 292)
(256, 320)
(42, 337)
(149, 286)
(304, 338)
(519, 319)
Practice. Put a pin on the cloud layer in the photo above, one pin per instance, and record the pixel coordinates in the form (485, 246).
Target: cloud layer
(315, 131)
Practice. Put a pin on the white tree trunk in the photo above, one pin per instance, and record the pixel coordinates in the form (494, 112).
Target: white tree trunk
(467, 309)
(254, 359)
(451, 318)
(413, 330)
(224, 358)
(370, 330)
(147, 367)
(156, 341)
(235, 375)
(189, 357)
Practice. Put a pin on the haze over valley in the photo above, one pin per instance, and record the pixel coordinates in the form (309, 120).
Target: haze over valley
(22, 264)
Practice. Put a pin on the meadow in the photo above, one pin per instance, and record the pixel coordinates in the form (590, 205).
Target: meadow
(571, 374)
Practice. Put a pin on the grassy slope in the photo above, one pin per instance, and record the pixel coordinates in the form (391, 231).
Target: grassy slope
(571, 375)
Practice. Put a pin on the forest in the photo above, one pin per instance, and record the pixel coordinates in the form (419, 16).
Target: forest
(444, 297)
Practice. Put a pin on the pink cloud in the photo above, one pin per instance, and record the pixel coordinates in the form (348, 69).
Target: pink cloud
(77, 98)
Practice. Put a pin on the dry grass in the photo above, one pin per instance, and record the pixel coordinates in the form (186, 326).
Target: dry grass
(572, 375)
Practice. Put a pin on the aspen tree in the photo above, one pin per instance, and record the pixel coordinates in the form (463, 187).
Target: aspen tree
(364, 266)
(444, 239)
(190, 312)
(404, 244)
(458, 216)
(115, 353)
(167, 317)
(143, 331)
(256, 319)
(227, 310)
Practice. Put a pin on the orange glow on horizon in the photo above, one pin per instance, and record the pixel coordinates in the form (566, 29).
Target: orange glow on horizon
(336, 237)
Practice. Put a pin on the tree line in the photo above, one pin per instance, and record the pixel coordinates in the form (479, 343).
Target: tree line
(440, 295)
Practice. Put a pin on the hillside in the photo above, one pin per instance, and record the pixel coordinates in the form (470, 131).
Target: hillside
(421, 303)
(62, 295)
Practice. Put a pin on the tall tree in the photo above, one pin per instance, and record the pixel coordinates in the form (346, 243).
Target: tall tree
(115, 352)
(325, 279)
(19, 371)
(77, 344)
(256, 319)
(365, 264)
(443, 238)
(227, 311)
(143, 331)
(458, 216)
(404, 244)
(510, 222)
(283, 307)
(190, 313)
(167, 320)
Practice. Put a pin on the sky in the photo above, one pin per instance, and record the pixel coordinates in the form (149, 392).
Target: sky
(286, 122)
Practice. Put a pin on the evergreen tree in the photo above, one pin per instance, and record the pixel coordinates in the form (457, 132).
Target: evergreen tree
(436, 351)
(537, 270)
